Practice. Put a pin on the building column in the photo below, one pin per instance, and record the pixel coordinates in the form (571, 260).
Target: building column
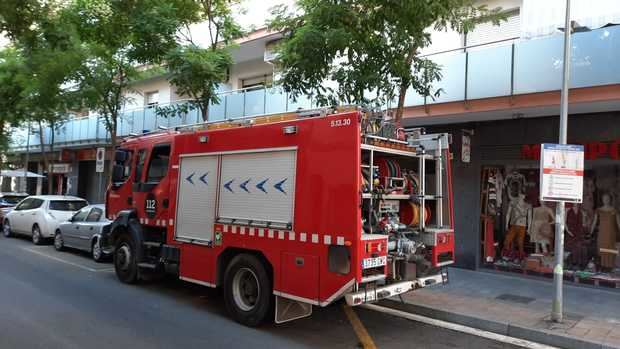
(41, 171)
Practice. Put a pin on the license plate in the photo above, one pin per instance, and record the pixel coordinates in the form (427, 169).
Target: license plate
(374, 262)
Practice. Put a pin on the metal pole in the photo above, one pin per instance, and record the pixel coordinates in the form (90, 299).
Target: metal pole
(558, 270)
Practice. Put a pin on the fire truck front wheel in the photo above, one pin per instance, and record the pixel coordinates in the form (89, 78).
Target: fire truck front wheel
(125, 263)
(248, 290)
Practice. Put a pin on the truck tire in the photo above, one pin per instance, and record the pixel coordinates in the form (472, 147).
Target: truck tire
(125, 262)
(248, 290)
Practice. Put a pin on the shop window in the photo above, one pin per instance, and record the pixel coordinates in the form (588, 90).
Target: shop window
(518, 231)
(158, 166)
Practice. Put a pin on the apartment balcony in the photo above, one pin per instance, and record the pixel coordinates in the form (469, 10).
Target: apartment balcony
(507, 69)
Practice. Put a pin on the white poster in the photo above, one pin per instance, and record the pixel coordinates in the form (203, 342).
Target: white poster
(466, 148)
(561, 172)
(100, 160)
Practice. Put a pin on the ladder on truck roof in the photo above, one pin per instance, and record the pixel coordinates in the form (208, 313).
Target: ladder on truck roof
(250, 120)
(265, 118)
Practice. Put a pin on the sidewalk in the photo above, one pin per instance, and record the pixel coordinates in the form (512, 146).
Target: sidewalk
(519, 307)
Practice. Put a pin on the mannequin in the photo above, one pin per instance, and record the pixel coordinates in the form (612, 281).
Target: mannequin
(576, 240)
(540, 230)
(518, 217)
(608, 230)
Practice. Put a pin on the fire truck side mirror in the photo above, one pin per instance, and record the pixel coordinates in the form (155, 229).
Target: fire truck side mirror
(118, 173)
(120, 156)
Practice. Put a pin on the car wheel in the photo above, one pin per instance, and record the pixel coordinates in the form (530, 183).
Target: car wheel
(125, 262)
(37, 239)
(248, 290)
(6, 229)
(97, 251)
(59, 243)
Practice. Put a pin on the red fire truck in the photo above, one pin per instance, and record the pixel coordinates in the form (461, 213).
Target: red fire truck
(284, 212)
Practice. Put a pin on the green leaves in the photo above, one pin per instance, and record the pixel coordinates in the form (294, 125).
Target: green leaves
(369, 49)
(196, 72)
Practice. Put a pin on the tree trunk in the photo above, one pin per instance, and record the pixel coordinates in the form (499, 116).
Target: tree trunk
(50, 175)
(113, 140)
(402, 89)
(204, 111)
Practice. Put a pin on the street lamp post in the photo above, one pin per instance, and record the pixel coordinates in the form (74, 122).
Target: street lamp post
(558, 270)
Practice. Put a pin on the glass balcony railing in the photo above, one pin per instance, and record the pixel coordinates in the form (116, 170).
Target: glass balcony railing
(501, 69)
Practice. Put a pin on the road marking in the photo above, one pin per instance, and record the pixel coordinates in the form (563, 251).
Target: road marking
(358, 327)
(62, 260)
(459, 328)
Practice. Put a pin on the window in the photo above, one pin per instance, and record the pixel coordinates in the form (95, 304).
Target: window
(79, 217)
(140, 165)
(257, 82)
(11, 199)
(126, 164)
(36, 203)
(485, 33)
(158, 166)
(24, 205)
(67, 205)
(151, 98)
(95, 215)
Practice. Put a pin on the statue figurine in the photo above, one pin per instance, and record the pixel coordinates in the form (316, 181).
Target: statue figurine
(540, 230)
(518, 217)
(608, 222)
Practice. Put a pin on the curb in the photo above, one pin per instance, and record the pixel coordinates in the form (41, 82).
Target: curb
(503, 328)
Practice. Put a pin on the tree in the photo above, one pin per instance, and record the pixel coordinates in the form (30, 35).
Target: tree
(49, 53)
(367, 46)
(195, 71)
(118, 38)
(11, 91)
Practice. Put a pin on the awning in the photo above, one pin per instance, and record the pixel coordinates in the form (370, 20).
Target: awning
(19, 173)
(541, 18)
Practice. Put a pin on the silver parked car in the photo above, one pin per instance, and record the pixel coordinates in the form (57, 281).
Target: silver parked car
(83, 231)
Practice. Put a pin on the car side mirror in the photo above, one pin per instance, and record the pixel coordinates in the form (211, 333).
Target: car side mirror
(120, 156)
(118, 173)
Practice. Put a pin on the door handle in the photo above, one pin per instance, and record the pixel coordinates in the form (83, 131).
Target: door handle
(77, 227)
(33, 214)
(91, 228)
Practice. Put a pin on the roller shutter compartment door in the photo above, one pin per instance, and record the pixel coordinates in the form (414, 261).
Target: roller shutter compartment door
(197, 198)
(258, 186)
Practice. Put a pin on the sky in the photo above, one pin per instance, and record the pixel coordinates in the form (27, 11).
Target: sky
(258, 11)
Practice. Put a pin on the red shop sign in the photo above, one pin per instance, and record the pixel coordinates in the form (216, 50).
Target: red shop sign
(593, 150)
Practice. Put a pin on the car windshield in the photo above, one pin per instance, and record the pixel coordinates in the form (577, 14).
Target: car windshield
(67, 205)
(12, 199)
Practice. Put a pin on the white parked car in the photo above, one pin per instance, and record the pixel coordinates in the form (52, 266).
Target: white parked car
(39, 216)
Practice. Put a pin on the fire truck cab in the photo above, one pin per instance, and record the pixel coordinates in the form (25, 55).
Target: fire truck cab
(283, 212)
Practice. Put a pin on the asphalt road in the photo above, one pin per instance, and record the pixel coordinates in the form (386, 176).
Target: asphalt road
(52, 299)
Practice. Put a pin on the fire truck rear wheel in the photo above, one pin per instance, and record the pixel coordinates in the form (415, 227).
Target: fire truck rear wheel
(125, 264)
(248, 290)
